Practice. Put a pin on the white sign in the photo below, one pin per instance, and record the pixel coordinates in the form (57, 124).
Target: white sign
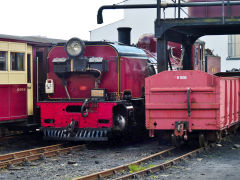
(181, 77)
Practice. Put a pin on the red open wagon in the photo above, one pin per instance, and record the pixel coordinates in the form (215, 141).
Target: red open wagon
(189, 102)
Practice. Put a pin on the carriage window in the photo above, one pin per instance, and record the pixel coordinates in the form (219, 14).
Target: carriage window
(17, 61)
(3, 60)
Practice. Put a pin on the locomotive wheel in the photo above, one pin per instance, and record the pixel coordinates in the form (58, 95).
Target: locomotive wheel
(203, 142)
(175, 140)
(120, 122)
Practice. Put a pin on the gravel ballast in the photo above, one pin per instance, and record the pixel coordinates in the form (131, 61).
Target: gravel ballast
(220, 162)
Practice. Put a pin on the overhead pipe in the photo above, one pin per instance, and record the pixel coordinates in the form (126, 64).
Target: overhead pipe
(162, 5)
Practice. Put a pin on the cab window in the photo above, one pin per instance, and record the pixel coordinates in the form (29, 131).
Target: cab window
(17, 61)
(3, 60)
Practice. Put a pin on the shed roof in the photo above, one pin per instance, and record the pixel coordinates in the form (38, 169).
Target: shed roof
(33, 39)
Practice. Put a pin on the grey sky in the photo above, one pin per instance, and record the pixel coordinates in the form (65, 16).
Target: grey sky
(54, 18)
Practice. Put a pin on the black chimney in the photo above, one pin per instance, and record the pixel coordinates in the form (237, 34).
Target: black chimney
(124, 35)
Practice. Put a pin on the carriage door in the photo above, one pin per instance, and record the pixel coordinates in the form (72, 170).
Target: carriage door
(29, 84)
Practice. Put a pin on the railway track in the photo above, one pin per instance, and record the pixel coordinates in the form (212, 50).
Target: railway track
(30, 155)
(124, 171)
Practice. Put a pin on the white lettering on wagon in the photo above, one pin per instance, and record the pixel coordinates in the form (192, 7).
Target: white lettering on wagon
(181, 77)
(21, 89)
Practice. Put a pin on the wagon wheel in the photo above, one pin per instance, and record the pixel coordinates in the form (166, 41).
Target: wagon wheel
(219, 137)
(175, 141)
(203, 142)
(235, 130)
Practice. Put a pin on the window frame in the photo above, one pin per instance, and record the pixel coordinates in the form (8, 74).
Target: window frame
(10, 61)
(6, 61)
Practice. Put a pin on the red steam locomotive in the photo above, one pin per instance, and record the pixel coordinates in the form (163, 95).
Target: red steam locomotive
(148, 43)
(95, 89)
(202, 59)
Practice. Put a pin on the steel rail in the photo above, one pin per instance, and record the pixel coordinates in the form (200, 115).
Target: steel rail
(19, 154)
(109, 172)
(35, 154)
(162, 166)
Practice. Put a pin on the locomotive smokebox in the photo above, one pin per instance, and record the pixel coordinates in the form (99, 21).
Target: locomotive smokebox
(124, 35)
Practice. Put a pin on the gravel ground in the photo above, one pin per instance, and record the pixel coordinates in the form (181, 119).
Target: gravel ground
(221, 162)
(96, 157)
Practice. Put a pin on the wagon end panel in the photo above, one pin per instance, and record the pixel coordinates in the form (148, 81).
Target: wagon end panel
(189, 97)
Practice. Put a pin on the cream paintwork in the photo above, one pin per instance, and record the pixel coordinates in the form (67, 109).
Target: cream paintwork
(18, 77)
(4, 79)
(17, 47)
(4, 46)
(30, 88)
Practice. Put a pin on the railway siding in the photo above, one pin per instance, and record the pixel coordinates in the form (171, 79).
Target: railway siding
(168, 158)
(35, 154)
(223, 158)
